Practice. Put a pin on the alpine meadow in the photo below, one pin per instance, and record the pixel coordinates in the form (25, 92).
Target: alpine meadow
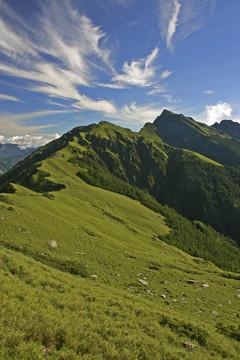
(142, 268)
(119, 180)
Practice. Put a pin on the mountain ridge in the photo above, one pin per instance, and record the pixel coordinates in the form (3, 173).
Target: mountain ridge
(195, 186)
(129, 278)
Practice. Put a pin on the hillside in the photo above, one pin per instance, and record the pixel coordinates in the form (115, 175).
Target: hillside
(112, 288)
(139, 164)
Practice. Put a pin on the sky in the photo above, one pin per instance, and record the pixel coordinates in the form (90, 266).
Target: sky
(66, 63)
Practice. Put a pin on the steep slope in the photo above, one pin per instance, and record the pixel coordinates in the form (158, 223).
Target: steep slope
(229, 127)
(183, 132)
(112, 289)
(128, 163)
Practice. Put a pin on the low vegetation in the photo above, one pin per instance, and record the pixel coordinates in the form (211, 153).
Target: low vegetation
(128, 278)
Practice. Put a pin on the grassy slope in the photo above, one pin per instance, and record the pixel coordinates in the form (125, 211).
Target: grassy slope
(46, 311)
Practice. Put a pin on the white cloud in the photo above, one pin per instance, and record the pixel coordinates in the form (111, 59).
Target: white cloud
(60, 53)
(111, 86)
(86, 103)
(28, 141)
(179, 18)
(218, 112)
(165, 74)
(158, 89)
(209, 92)
(139, 72)
(170, 99)
(9, 98)
(72, 43)
(12, 124)
(173, 23)
(56, 103)
(136, 115)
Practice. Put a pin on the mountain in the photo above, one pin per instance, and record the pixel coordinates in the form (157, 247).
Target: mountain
(129, 278)
(183, 132)
(139, 166)
(110, 157)
(10, 154)
(228, 127)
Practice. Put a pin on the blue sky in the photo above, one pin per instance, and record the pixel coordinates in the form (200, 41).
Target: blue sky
(67, 63)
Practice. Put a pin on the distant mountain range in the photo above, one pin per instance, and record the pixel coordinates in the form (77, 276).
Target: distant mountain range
(10, 154)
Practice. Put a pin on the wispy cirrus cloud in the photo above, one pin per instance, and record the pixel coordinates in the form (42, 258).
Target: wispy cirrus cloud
(71, 43)
(173, 23)
(61, 53)
(14, 124)
(136, 115)
(139, 73)
(179, 18)
(9, 98)
(208, 92)
(165, 74)
(158, 89)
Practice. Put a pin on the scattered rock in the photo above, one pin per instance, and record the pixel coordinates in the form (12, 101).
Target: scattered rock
(163, 296)
(79, 253)
(52, 243)
(191, 281)
(188, 345)
(205, 285)
(118, 275)
(165, 282)
(130, 287)
(2, 217)
(238, 296)
(221, 305)
(214, 313)
(144, 282)
(94, 276)
(229, 301)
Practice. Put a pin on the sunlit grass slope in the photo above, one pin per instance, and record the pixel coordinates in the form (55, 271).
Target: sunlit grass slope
(111, 289)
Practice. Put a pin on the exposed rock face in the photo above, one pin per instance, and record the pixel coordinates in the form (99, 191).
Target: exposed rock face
(52, 243)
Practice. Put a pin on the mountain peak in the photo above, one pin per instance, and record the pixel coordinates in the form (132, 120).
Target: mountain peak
(165, 113)
(229, 127)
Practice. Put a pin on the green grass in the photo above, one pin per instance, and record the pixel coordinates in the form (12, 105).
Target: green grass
(47, 311)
